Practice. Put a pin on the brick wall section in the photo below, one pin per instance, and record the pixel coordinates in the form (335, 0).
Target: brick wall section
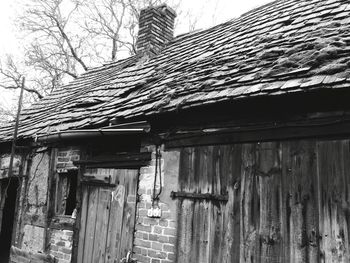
(61, 245)
(66, 157)
(155, 238)
(61, 242)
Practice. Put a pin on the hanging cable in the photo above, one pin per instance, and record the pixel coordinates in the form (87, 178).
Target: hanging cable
(159, 157)
(158, 166)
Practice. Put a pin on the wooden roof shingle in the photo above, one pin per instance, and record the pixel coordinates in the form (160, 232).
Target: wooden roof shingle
(284, 46)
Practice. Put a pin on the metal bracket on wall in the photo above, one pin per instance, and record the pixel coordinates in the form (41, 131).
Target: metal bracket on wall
(208, 197)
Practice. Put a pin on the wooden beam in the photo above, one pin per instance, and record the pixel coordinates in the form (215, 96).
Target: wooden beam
(125, 160)
(333, 128)
(208, 197)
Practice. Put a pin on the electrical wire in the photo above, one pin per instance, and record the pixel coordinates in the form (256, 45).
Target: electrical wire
(159, 157)
(158, 166)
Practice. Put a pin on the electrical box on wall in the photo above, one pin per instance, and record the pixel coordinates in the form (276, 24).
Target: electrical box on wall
(154, 212)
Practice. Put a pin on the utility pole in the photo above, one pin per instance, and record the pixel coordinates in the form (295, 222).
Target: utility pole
(13, 148)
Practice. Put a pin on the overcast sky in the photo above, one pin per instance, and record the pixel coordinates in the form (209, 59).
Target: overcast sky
(203, 9)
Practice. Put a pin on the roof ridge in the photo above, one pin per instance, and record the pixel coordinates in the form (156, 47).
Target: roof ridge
(259, 7)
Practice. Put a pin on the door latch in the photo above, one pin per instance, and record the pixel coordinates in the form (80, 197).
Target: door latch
(128, 259)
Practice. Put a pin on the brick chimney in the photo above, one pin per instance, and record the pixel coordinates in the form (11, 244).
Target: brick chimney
(156, 28)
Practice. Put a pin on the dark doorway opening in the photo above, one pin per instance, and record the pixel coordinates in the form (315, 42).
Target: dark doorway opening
(9, 186)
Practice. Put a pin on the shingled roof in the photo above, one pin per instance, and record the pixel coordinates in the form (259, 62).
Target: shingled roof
(285, 46)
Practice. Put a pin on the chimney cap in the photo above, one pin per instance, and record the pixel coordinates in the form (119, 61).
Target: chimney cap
(162, 7)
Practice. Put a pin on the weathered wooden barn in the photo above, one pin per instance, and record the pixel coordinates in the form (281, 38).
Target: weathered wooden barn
(230, 144)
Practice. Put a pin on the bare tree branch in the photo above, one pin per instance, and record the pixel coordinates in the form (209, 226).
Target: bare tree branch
(25, 88)
(72, 50)
(11, 78)
(63, 38)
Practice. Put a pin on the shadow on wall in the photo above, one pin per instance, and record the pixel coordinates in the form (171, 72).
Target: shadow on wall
(8, 215)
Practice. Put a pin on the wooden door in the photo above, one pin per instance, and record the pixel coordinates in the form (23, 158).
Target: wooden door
(286, 202)
(209, 197)
(107, 215)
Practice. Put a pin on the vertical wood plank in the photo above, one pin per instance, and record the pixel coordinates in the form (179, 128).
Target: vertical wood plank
(115, 217)
(217, 232)
(119, 205)
(269, 173)
(231, 172)
(300, 182)
(186, 177)
(185, 229)
(90, 226)
(128, 221)
(2, 201)
(201, 238)
(83, 220)
(250, 203)
(101, 225)
(333, 178)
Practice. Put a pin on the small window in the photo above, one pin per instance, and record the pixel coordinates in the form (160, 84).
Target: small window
(66, 191)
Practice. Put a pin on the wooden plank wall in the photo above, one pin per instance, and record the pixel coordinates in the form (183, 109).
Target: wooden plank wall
(288, 202)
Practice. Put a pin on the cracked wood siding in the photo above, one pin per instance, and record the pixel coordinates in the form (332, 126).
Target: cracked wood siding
(288, 202)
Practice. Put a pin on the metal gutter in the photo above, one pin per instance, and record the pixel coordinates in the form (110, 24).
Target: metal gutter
(123, 129)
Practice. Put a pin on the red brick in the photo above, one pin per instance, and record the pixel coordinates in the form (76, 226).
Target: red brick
(172, 240)
(61, 244)
(169, 248)
(143, 243)
(156, 254)
(164, 207)
(171, 256)
(163, 222)
(157, 246)
(53, 248)
(140, 220)
(153, 237)
(157, 229)
(143, 228)
(65, 250)
(142, 259)
(170, 232)
(166, 215)
(140, 250)
(163, 239)
(150, 221)
(139, 234)
(137, 250)
(143, 212)
(141, 192)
